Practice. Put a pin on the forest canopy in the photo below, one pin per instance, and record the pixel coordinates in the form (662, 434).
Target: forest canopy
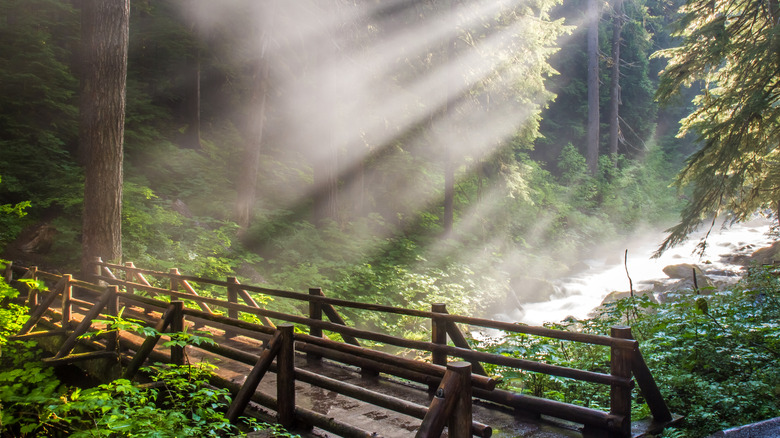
(729, 51)
(341, 142)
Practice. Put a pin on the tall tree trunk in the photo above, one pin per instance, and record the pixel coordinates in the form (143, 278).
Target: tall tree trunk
(449, 193)
(191, 137)
(592, 156)
(614, 89)
(448, 218)
(105, 34)
(246, 190)
(325, 176)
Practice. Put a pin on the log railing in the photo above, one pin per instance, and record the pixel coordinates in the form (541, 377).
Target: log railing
(626, 360)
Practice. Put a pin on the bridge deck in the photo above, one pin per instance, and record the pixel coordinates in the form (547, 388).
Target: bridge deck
(371, 418)
(345, 400)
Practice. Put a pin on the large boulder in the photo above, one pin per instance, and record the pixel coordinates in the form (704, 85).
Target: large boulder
(683, 270)
(617, 295)
(766, 256)
(531, 290)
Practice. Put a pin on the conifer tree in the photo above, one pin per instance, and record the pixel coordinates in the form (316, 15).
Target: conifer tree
(732, 49)
(105, 36)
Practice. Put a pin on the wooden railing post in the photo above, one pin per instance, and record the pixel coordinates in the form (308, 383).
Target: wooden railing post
(620, 396)
(315, 313)
(67, 297)
(97, 270)
(173, 272)
(8, 274)
(177, 326)
(32, 293)
(438, 336)
(459, 425)
(451, 405)
(130, 276)
(285, 377)
(112, 308)
(232, 296)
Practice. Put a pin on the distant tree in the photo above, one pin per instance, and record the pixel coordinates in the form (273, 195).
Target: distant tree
(246, 183)
(593, 19)
(730, 48)
(191, 134)
(105, 35)
(38, 112)
(618, 17)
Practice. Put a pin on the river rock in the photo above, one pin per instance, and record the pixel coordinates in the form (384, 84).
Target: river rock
(618, 295)
(683, 270)
(766, 256)
(531, 290)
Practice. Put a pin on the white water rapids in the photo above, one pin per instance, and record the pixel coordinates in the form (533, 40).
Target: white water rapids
(579, 294)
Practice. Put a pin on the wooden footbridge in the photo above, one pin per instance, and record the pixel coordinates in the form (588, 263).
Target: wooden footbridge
(345, 387)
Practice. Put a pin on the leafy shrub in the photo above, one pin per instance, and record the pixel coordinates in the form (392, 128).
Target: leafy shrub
(714, 357)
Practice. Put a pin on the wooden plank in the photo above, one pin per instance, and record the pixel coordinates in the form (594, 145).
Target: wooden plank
(443, 402)
(649, 389)
(177, 325)
(620, 397)
(39, 334)
(85, 323)
(241, 400)
(306, 415)
(38, 312)
(285, 377)
(150, 342)
(542, 406)
(80, 357)
(423, 367)
(460, 341)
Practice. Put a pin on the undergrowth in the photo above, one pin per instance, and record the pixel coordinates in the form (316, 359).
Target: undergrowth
(714, 356)
(35, 402)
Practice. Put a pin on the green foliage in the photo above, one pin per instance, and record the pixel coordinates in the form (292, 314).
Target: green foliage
(28, 390)
(33, 402)
(714, 357)
(12, 315)
(157, 235)
(184, 406)
(38, 112)
(10, 219)
(730, 50)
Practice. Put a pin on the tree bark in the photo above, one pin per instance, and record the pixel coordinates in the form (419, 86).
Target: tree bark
(246, 190)
(105, 35)
(191, 137)
(614, 91)
(592, 156)
(449, 193)
(326, 186)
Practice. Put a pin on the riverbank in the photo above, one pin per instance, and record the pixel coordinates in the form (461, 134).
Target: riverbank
(630, 263)
(714, 356)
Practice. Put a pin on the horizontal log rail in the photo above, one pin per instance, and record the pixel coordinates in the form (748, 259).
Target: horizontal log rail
(524, 364)
(479, 322)
(626, 360)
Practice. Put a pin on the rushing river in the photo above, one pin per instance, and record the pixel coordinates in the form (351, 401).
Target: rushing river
(579, 294)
